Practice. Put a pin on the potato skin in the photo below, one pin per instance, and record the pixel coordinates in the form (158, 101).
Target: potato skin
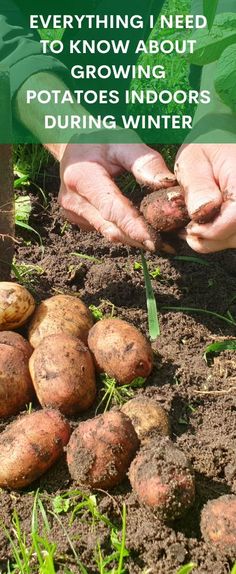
(30, 446)
(120, 350)
(16, 305)
(218, 523)
(101, 449)
(17, 341)
(16, 388)
(63, 374)
(165, 209)
(60, 314)
(162, 478)
(148, 418)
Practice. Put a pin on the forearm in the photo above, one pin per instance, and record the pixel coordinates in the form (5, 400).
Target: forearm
(32, 115)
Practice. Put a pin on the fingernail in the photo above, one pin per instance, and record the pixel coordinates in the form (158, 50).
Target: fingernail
(149, 245)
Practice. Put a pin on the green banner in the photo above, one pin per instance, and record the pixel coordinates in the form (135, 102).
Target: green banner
(81, 72)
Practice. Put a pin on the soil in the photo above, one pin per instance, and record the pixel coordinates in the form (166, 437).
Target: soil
(199, 396)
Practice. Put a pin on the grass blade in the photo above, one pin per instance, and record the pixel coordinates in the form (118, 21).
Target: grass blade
(153, 321)
(191, 259)
(204, 311)
(219, 346)
(187, 568)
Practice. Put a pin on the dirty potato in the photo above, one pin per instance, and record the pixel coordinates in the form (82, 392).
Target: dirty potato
(218, 523)
(16, 305)
(63, 374)
(148, 418)
(101, 449)
(30, 446)
(162, 478)
(60, 314)
(120, 350)
(16, 388)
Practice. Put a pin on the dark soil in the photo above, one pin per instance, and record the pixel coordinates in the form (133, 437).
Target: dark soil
(200, 397)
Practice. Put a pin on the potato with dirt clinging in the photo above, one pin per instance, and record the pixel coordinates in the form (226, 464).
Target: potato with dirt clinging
(16, 305)
(162, 478)
(101, 449)
(165, 209)
(148, 418)
(16, 388)
(63, 374)
(120, 350)
(30, 446)
(60, 314)
(218, 523)
(17, 341)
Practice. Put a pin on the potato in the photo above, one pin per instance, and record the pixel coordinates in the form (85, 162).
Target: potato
(63, 374)
(30, 446)
(60, 314)
(101, 449)
(17, 341)
(165, 209)
(162, 478)
(16, 389)
(148, 418)
(120, 350)
(16, 305)
(218, 523)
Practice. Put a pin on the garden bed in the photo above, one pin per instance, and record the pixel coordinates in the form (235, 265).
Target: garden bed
(200, 396)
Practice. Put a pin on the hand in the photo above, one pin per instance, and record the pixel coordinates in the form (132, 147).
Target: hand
(207, 173)
(90, 198)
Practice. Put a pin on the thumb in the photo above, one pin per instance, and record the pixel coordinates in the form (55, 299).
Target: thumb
(146, 164)
(194, 173)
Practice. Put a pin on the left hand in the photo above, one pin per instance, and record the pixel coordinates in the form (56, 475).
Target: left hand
(91, 199)
(207, 173)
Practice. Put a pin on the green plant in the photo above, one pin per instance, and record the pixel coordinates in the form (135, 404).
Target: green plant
(23, 208)
(24, 272)
(191, 259)
(96, 312)
(36, 556)
(209, 10)
(187, 568)
(153, 321)
(119, 551)
(219, 346)
(117, 394)
(228, 320)
(85, 256)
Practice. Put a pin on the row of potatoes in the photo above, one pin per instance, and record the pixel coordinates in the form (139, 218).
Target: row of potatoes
(58, 365)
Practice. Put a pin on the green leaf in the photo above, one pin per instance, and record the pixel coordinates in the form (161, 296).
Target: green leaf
(209, 10)
(191, 259)
(23, 208)
(60, 504)
(218, 347)
(187, 568)
(233, 571)
(153, 321)
(211, 44)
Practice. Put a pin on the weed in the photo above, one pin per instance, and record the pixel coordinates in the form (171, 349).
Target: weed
(218, 347)
(39, 555)
(228, 320)
(96, 312)
(85, 256)
(117, 395)
(153, 321)
(24, 272)
(119, 551)
(191, 259)
(23, 208)
(187, 568)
